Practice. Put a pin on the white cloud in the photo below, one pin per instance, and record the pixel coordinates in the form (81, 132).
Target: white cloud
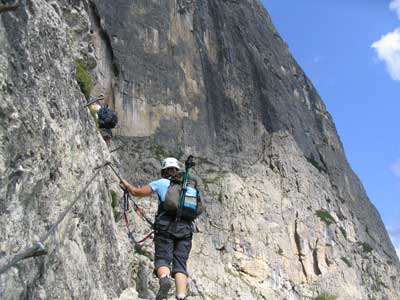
(388, 50)
(395, 168)
(395, 5)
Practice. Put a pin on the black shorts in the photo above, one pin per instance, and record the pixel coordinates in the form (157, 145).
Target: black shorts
(172, 249)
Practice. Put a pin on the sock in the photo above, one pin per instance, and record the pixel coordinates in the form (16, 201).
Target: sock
(181, 297)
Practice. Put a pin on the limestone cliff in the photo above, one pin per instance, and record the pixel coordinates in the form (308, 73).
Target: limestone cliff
(286, 216)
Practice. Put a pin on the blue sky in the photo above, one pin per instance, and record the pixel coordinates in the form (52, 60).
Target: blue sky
(351, 52)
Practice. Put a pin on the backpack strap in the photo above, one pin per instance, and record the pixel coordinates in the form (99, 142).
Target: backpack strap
(161, 212)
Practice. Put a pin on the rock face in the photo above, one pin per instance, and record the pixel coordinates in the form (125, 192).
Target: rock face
(286, 216)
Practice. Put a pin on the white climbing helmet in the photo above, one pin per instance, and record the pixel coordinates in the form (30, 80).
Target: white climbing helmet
(170, 162)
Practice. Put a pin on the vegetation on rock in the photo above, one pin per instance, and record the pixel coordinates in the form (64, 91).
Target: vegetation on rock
(346, 261)
(366, 248)
(325, 216)
(114, 202)
(326, 296)
(343, 232)
(83, 77)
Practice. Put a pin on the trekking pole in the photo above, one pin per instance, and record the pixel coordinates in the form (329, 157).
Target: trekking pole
(188, 165)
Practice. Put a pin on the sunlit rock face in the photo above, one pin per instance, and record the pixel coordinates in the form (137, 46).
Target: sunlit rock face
(286, 216)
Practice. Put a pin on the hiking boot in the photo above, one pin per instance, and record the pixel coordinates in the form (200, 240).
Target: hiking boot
(165, 285)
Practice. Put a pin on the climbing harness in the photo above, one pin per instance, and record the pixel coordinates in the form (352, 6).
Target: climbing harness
(139, 211)
(39, 249)
(126, 205)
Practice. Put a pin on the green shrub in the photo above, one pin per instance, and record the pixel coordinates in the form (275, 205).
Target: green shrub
(220, 199)
(83, 77)
(214, 180)
(159, 151)
(114, 200)
(366, 248)
(378, 283)
(325, 296)
(343, 232)
(114, 204)
(93, 113)
(368, 233)
(346, 261)
(325, 216)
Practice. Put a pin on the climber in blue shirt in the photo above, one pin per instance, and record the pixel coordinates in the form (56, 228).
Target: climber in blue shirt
(173, 238)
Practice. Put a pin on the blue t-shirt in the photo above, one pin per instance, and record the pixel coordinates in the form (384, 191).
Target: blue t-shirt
(161, 186)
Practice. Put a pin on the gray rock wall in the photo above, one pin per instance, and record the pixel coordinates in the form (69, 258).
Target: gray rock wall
(286, 216)
(49, 149)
